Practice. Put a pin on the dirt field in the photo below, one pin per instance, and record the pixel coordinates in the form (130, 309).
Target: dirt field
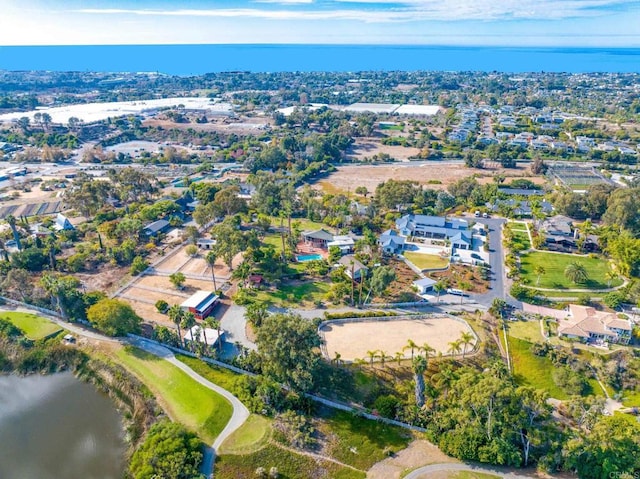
(197, 266)
(348, 178)
(367, 147)
(353, 340)
(162, 282)
(418, 453)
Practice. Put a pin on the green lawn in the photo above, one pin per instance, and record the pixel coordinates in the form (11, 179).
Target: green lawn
(631, 399)
(295, 294)
(225, 378)
(185, 400)
(361, 442)
(34, 327)
(426, 261)
(517, 225)
(555, 264)
(289, 465)
(252, 436)
(521, 238)
(532, 370)
(527, 330)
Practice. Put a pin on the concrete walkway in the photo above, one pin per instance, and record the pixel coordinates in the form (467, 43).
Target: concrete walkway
(240, 412)
(423, 472)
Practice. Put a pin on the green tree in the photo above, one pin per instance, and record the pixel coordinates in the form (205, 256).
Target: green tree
(176, 314)
(138, 265)
(211, 261)
(256, 313)
(288, 347)
(466, 339)
(419, 366)
(576, 272)
(381, 278)
(439, 287)
(412, 346)
(229, 241)
(187, 322)
(169, 451)
(539, 270)
(177, 279)
(114, 317)
(609, 450)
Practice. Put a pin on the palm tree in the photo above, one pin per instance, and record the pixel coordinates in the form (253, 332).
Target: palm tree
(383, 357)
(439, 287)
(211, 261)
(214, 323)
(188, 322)
(176, 313)
(539, 270)
(412, 346)
(419, 367)
(455, 347)
(576, 272)
(337, 359)
(427, 350)
(399, 356)
(12, 224)
(610, 276)
(466, 339)
(372, 355)
(464, 286)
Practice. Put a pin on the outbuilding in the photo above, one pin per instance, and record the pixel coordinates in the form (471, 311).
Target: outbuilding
(201, 304)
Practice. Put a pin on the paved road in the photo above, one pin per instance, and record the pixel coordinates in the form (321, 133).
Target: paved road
(240, 412)
(424, 472)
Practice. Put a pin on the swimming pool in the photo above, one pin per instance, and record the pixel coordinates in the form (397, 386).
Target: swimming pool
(308, 257)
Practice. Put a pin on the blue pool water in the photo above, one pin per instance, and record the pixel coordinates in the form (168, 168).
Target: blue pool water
(308, 257)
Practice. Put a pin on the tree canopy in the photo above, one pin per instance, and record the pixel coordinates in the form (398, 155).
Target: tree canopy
(113, 317)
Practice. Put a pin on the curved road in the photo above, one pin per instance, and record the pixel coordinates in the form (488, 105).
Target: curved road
(423, 472)
(240, 412)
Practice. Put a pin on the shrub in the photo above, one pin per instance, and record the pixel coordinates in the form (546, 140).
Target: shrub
(162, 306)
(613, 299)
(138, 265)
(387, 406)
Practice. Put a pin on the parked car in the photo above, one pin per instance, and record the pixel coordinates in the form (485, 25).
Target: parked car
(457, 292)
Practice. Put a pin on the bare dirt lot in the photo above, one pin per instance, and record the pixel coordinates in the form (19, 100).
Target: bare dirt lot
(367, 147)
(353, 340)
(348, 178)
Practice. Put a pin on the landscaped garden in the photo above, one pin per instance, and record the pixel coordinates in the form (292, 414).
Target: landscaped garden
(426, 261)
(555, 265)
(34, 327)
(184, 399)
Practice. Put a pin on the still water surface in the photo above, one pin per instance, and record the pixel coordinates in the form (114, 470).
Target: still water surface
(55, 427)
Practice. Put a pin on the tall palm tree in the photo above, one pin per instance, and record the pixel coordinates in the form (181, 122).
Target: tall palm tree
(439, 287)
(539, 270)
(464, 286)
(455, 347)
(214, 323)
(383, 357)
(176, 313)
(188, 322)
(211, 261)
(576, 272)
(419, 367)
(610, 276)
(466, 339)
(372, 355)
(427, 350)
(11, 220)
(412, 346)
(399, 356)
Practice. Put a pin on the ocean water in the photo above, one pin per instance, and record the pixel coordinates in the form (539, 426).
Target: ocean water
(199, 59)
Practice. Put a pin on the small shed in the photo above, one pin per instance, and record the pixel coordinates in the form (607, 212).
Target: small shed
(199, 334)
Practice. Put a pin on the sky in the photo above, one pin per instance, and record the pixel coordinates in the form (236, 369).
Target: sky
(582, 23)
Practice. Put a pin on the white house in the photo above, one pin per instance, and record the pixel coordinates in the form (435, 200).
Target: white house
(424, 285)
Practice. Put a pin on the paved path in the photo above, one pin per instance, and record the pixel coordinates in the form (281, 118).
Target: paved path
(240, 412)
(423, 472)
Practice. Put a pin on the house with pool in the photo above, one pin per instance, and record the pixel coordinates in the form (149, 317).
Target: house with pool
(455, 231)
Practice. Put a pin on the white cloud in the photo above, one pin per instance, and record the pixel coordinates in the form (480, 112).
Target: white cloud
(404, 11)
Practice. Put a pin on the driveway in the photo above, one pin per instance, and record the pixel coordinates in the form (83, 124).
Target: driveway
(234, 325)
(496, 260)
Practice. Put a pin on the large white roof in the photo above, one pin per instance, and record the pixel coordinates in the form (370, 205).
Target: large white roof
(92, 112)
(426, 110)
(196, 299)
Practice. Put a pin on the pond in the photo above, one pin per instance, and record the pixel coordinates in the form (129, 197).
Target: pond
(57, 426)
